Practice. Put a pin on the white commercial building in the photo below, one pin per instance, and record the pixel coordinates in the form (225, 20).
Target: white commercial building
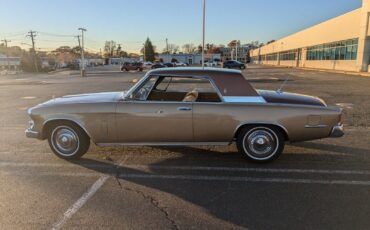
(11, 63)
(191, 59)
(341, 43)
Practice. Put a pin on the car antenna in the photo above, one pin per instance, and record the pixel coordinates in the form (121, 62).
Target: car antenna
(283, 84)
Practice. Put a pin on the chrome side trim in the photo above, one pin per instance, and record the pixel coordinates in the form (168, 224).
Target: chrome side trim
(252, 99)
(165, 144)
(315, 126)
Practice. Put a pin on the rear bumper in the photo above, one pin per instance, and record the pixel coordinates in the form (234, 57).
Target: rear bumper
(32, 134)
(337, 131)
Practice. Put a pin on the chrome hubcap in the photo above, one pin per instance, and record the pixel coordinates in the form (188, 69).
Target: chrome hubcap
(65, 141)
(260, 143)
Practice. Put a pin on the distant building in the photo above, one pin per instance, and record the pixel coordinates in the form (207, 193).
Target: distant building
(191, 59)
(341, 43)
(91, 61)
(13, 63)
(229, 53)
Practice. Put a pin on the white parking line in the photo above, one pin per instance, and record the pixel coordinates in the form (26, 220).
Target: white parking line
(80, 202)
(86, 196)
(190, 168)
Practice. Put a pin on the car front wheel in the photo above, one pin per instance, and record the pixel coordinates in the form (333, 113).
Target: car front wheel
(68, 141)
(260, 143)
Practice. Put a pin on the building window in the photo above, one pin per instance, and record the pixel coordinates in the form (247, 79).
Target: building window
(271, 57)
(342, 50)
(289, 55)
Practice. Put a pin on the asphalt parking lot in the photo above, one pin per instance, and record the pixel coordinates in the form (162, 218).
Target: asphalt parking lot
(322, 184)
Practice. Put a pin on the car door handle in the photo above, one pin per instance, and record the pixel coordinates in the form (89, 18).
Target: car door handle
(184, 109)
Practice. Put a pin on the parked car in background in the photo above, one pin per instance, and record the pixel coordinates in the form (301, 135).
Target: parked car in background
(233, 65)
(169, 64)
(180, 64)
(147, 64)
(138, 66)
(158, 65)
(210, 64)
(185, 106)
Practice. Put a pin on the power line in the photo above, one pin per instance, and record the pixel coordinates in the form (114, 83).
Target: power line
(43, 40)
(15, 34)
(55, 35)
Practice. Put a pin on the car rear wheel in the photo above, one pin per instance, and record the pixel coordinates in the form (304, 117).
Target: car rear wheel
(260, 143)
(68, 141)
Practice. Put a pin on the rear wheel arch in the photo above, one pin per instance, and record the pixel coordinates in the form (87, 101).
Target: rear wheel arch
(268, 125)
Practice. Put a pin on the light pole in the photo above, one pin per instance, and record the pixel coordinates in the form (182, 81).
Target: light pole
(236, 50)
(204, 28)
(82, 52)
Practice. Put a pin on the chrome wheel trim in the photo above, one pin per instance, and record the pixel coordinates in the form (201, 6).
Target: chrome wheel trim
(65, 141)
(262, 139)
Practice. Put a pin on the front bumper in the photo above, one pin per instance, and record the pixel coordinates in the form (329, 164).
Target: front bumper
(337, 131)
(32, 134)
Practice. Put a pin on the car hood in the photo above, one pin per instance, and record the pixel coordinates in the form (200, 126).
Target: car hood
(290, 98)
(86, 98)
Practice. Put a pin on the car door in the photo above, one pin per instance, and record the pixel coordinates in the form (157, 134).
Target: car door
(151, 121)
(213, 122)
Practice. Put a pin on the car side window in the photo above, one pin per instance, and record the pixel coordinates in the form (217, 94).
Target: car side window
(185, 89)
(142, 93)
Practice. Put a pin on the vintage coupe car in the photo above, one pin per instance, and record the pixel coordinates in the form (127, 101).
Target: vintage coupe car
(185, 106)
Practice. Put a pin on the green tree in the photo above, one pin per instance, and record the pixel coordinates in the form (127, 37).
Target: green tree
(148, 51)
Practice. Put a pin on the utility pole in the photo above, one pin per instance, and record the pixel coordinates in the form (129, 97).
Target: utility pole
(82, 53)
(79, 41)
(32, 35)
(204, 28)
(7, 51)
(167, 46)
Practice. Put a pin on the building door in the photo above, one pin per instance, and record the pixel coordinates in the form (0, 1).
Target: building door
(190, 61)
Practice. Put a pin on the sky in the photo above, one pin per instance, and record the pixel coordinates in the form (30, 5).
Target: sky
(130, 22)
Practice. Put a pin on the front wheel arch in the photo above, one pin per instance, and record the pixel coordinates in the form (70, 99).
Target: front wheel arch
(48, 125)
(67, 139)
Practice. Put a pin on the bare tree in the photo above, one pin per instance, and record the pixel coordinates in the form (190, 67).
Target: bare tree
(189, 48)
(172, 49)
(109, 48)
